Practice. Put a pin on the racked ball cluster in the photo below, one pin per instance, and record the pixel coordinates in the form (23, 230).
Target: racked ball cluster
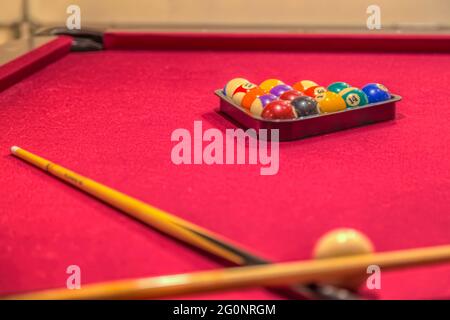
(273, 99)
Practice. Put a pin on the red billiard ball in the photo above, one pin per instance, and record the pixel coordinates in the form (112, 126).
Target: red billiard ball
(314, 91)
(291, 95)
(279, 109)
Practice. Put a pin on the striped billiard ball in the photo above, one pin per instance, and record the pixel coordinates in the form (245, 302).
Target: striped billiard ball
(354, 97)
(241, 91)
(314, 91)
(303, 85)
(231, 85)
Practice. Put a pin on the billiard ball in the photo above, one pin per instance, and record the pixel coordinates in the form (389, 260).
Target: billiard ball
(251, 96)
(305, 106)
(280, 89)
(303, 85)
(354, 97)
(376, 92)
(241, 91)
(340, 243)
(232, 85)
(259, 103)
(268, 84)
(314, 91)
(330, 102)
(291, 95)
(278, 109)
(337, 87)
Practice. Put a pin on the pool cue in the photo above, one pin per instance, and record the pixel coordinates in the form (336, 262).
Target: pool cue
(172, 225)
(287, 273)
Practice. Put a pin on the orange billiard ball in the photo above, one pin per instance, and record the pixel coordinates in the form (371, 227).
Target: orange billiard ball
(259, 103)
(303, 85)
(250, 97)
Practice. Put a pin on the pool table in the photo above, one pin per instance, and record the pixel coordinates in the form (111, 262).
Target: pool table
(109, 114)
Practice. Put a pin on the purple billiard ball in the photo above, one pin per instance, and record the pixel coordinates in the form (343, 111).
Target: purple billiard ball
(280, 89)
(259, 103)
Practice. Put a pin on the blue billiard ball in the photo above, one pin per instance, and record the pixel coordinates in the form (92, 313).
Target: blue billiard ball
(376, 92)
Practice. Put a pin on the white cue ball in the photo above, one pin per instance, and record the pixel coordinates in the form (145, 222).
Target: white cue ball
(344, 242)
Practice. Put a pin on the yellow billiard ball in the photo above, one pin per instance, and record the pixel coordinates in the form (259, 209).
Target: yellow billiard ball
(340, 243)
(330, 102)
(268, 84)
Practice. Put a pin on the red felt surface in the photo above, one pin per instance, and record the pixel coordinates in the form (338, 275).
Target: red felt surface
(109, 115)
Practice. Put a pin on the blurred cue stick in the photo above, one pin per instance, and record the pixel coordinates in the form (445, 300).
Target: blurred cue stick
(176, 227)
(243, 277)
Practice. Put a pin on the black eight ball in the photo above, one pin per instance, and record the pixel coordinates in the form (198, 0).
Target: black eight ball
(305, 106)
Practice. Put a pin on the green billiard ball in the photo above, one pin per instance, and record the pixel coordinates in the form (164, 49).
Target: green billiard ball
(337, 87)
(354, 97)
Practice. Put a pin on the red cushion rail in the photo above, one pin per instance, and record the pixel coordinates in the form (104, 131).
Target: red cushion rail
(287, 42)
(16, 70)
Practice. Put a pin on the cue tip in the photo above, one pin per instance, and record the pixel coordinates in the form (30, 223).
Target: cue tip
(14, 149)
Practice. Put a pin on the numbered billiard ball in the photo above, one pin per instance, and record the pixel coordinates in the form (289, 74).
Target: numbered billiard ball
(268, 84)
(279, 109)
(337, 87)
(257, 106)
(340, 243)
(314, 91)
(251, 96)
(241, 91)
(291, 95)
(280, 89)
(231, 85)
(303, 85)
(354, 97)
(305, 106)
(330, 102)
(376, 92)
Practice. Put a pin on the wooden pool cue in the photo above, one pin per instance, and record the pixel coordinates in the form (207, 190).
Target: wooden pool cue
(174, 226)
(244, 277)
